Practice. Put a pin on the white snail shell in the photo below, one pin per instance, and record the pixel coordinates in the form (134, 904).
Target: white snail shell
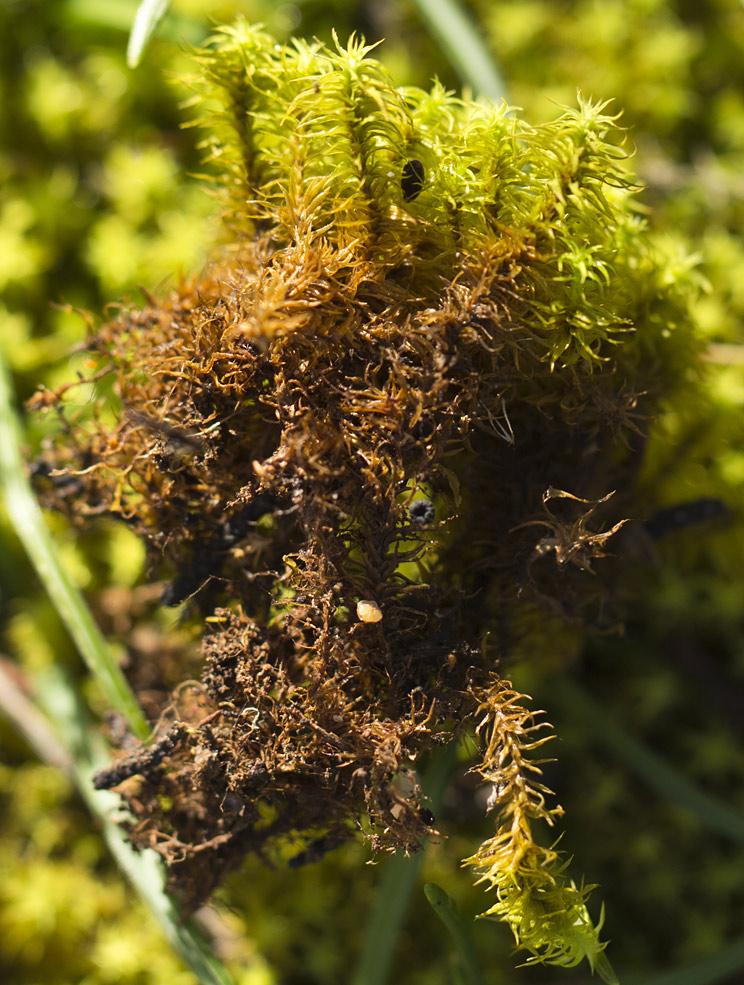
(368, 611)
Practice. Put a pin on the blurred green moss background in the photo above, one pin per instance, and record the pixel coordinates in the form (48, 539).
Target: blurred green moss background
(98, 196)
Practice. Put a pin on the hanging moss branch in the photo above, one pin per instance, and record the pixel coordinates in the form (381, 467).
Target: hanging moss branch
(546, 912)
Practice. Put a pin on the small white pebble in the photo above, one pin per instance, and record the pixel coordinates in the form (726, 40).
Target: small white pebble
(368, 611)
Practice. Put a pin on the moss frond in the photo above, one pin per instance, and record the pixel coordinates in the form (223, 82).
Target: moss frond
(546, 912)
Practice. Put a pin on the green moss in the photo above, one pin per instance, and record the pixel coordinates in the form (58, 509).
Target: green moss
(676, 73)
(397, 260)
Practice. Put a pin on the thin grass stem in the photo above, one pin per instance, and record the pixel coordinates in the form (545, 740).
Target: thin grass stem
(449, 913)
(658, 774)
(29, 525)
(61, 703)
(146, 20)
(707, 971)
(460, 41)
(57, 697)
(396, 888)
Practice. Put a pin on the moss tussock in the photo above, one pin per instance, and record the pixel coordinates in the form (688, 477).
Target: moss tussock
(373, 446)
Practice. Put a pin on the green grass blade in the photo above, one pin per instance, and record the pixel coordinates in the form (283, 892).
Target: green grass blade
(707, 971)
(143, 869)
(656, 773)
(449, 913)
(29, 525)
(463, 45)
(394, 893)
(116, 15)
(64, 709)
(146, 20)
(396, 888)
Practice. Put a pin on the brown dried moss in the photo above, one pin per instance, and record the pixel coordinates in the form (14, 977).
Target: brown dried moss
(276, 445)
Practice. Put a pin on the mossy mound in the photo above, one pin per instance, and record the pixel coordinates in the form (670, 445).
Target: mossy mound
(375, 445)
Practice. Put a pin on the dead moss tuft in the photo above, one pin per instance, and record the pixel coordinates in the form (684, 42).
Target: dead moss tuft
(276, 456)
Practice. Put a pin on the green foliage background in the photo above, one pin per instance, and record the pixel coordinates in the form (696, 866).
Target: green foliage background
(97, 197)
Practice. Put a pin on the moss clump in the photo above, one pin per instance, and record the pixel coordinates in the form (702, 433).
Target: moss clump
(374, 445)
